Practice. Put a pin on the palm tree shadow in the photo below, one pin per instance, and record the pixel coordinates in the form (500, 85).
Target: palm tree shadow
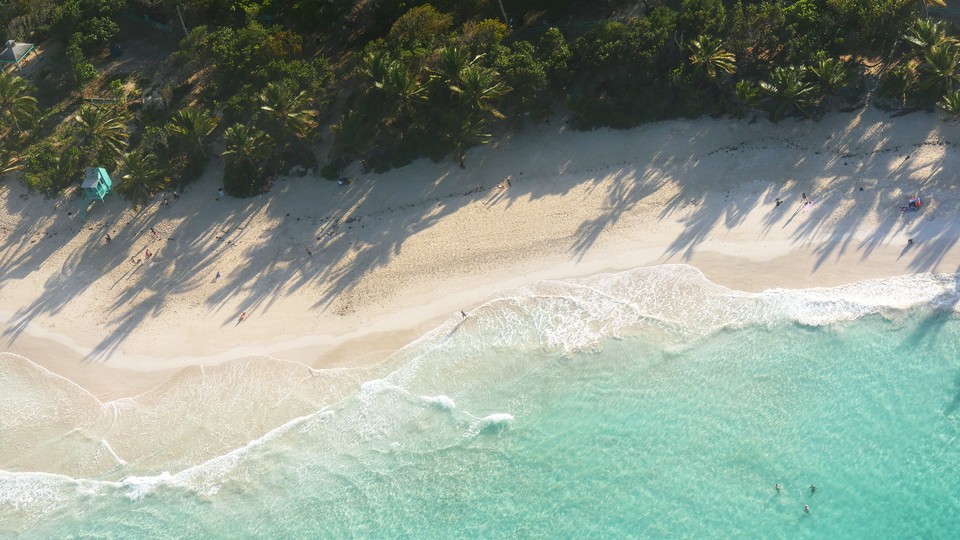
(627, 191)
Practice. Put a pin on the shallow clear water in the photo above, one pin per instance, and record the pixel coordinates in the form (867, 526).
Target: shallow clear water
(545, 416)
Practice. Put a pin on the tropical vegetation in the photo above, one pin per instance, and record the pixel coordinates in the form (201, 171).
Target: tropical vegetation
(267, 84)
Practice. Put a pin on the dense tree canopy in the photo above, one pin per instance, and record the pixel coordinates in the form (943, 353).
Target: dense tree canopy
(390, 81)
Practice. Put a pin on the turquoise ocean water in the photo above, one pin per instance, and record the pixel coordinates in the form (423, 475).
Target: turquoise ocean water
(645, 404)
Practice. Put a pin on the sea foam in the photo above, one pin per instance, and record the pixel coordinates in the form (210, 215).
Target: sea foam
(444, 368)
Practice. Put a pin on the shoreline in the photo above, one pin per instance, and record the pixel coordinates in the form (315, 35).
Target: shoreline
(369, 347)
(335, 277)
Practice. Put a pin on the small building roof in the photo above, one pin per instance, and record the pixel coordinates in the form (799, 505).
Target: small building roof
(91, 177)
(14, 52)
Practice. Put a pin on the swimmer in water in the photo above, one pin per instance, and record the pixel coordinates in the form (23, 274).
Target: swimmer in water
(806, 508)
(779, 487)
(813, 488)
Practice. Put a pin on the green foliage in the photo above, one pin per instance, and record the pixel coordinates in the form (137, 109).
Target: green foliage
(950, 103)
(699, 17)
(18, 107)
(434, 76)
(709, 55)
(194, 126)
(288, 111)
(461, 130)
(235, 54)
(353, 134)
(9, 161)
(402, 85)
(94, 33)
(74, 16)
(241, 180)
(830, 75)
(940, 68)
(83, 70)
(756, 35)
(789, 92)
(49, 168)
(484, 37)
(605, 49)
(478, 88)
(527, 77)
(313, 76)
(101, 132)
(451, 62)
(882, 22)
(900, 82)
(554, 53)
(155, 140)
(748, 94)
(142, 178)
(247, 150)
(245, 143)
(419, 30)
(924, 35)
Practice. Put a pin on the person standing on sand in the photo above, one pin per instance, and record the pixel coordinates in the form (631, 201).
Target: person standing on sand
(243, 317)
(108, 238)
(217, 278)
(154, 233)
(464, 313)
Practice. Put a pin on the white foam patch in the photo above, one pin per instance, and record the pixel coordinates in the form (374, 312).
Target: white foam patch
(495, 423)
(27, 496)
(441, 402)
(559, 317)
(677, 301)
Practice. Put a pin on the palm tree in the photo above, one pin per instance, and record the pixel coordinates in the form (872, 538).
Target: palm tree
(708, 54)
(748, 94)
(288, 109)
(353, 135)
(788, 90)
(901, 81)
(143, 178)
(374, 65)
(245, 144)
(9, 161)
(462, 131)
(16, 103)
(924, 34)
(951, 103)
(194, 125)
(478, 87)
(941, 66)
(831, 75)
(451, 62)
(403, 85)
(102, 128)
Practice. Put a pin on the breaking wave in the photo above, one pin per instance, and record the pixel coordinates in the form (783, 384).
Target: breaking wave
(433, 394)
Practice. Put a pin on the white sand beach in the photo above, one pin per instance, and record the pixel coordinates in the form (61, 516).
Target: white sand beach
(345, 275)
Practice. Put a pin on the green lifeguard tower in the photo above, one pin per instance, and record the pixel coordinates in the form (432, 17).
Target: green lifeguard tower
(96, 185)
